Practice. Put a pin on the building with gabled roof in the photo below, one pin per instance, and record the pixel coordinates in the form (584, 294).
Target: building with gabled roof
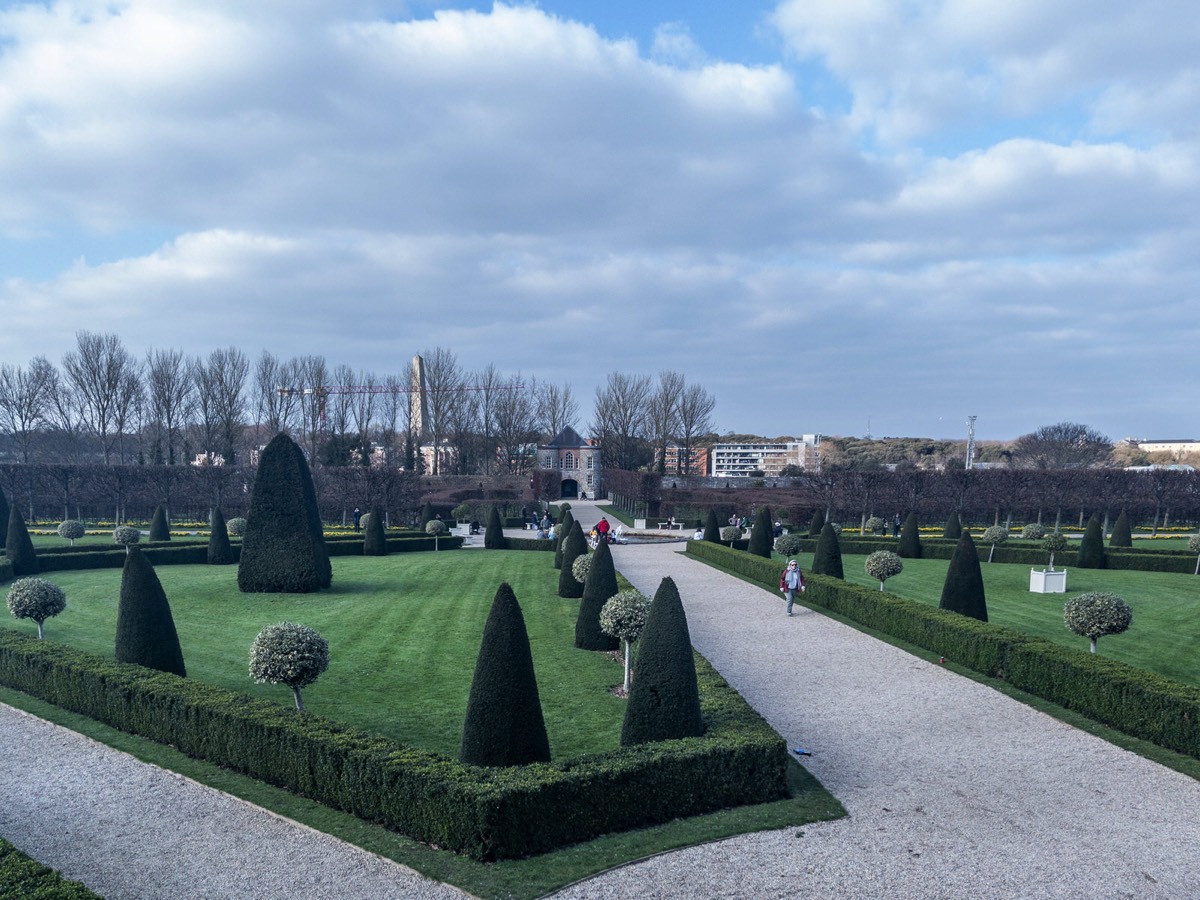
(575, 459)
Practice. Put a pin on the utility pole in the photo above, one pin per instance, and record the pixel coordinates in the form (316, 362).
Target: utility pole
(971, 441)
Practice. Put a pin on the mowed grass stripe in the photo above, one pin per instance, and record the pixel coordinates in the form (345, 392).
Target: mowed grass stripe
(403, 630)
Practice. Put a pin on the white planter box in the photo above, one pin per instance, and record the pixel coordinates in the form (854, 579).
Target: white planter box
(639, 524)
(1044, 581)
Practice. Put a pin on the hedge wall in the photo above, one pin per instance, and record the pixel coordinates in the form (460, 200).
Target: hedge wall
(483, 813)
(21, 876)
(1139, 703)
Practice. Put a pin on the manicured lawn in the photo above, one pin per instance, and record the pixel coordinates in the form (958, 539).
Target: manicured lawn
(403, 632)
(1166, 608)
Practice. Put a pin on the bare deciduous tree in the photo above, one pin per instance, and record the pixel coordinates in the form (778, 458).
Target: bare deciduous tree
(619, 420)
(26, 400)
(102, 372)
(556, 407)
(695, 419)
(443, 382)
(169, 398)
(662, 414)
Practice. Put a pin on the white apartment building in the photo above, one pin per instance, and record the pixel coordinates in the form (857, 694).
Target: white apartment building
(740, 459)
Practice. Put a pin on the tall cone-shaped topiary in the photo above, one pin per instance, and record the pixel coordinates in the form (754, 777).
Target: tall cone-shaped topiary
(761, 537)
(504, 724)
(817, 523)
(283, 547)
(493, 535)
(374, 539)
(145, 628)
(560, 537)
(665, 700)
(600, 586)
(160, 528)
(1091, 549)
(962, 591)
(220, 553)
(910, 539)
(1122, 534)
(4, 513)
(18, 546)
(574, 545)
(712, 531)
(827, 558)
(426, 515)
(952, 530)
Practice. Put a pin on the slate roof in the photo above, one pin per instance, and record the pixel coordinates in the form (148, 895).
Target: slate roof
(568, 438)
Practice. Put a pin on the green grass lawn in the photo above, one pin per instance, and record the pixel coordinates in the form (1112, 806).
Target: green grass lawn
(403, 632)
(1166, 608)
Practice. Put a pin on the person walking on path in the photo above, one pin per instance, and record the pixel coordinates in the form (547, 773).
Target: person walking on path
(791, 580)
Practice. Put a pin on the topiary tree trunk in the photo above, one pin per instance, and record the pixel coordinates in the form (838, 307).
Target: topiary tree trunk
(827, 558)
(283, 548)
(146, 632)
(600, 586)
(664, 701)
(910, 539)
(493, 536)
(220, 553)
(374, 537)
(1091, 549)
(1122, 534)
(574, 545)
(18, 546)
(160, 527)
(761, 535)
(962, 591)
(712, 531)
(504, 725)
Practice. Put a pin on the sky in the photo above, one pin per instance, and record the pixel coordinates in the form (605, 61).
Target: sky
(870, 216)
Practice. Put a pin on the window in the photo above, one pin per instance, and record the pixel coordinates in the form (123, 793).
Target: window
(569, 461)
(589, 465)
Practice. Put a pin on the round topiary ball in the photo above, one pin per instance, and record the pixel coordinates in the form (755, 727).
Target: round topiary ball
(127, 535)
(72, 530)
(435, 526)
(731, 533)
(37, 599)
(623, 615)
(290, 654)
(580, 567)
(1096, 614)
(236, 527)
(876, 525)
(1033, 532)
(789, 544)
(882, 565)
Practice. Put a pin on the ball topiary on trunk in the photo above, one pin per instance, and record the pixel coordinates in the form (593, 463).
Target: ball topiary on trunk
(493, 536)
(789, 544)
(219, 551)
(827, 558)
(962, 591)
(712, 531)
(1091, 549)
(601, 584)
(1122, 534)
(290, 654)
(762, 533)
(283, 549)
(145, 628)
(573, 545)
(504, 725)
(952, 530)
(910, 539)
(1096, 614)
(374, 539)
(664, 700)
(37, 599)
(18, 546)
(160, 528)
(71, 530)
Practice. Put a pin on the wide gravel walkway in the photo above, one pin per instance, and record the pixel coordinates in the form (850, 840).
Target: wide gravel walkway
(953, 789)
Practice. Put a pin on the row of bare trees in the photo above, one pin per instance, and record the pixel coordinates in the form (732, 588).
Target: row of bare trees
(636, 417)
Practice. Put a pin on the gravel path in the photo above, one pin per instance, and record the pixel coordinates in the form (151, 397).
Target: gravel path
(953, 789)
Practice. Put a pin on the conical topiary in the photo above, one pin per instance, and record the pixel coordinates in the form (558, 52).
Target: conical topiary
(160, 528)
(761, 536)
(665, 700)
(560, 537)
(953, 527)
(712, 531)
(220, 553)
(374, 539)
(4, 513)
(827, 558)
(504, 724)
(18, 546)
(817, 523)
(1091, 549)
(426, 515)
(600, 586)
(145, 628)
(493, 536)
(962, 591)
(574, 545)
(910, 539)
(283, 547)
(1122, 534)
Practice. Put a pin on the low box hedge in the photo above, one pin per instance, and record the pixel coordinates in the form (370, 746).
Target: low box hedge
(1139, 703)
(483, 813)
(22, 877)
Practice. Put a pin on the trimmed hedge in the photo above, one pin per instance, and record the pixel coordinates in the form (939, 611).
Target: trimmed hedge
(1139, 703)
(21, 876)
(482, 813)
